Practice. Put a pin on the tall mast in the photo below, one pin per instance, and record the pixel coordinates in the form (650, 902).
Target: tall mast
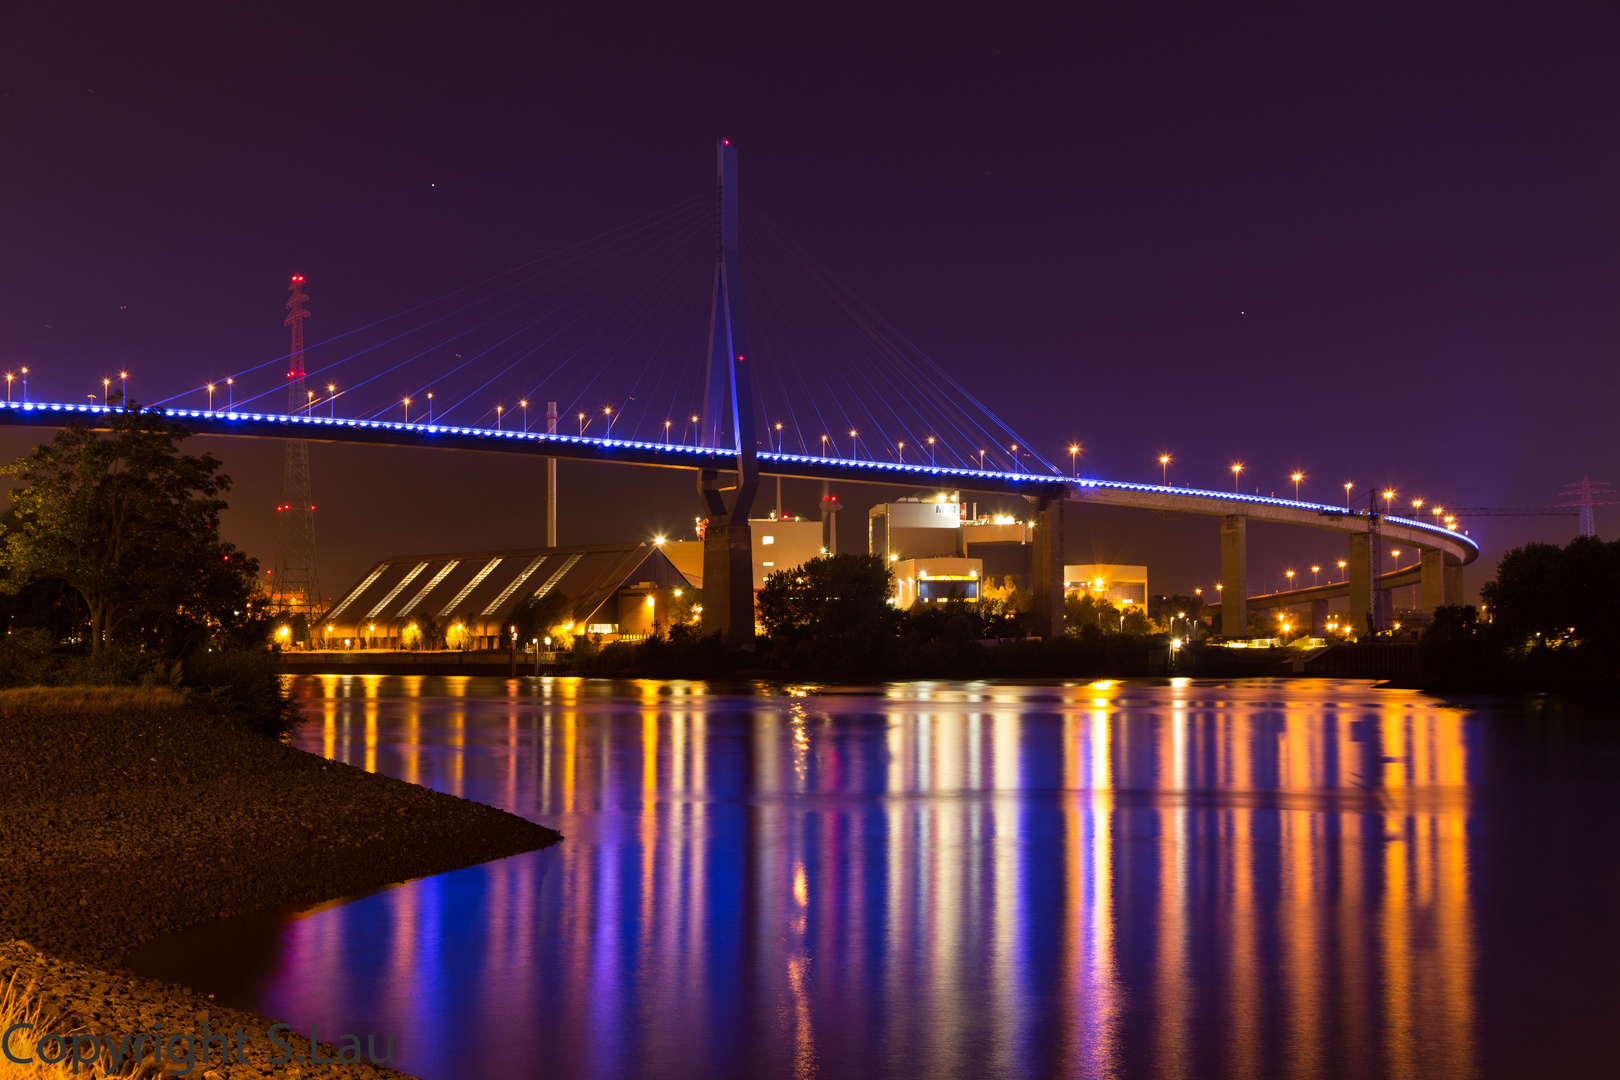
(295, 586)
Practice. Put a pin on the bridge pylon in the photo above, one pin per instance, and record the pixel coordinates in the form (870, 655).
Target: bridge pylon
(728, 420)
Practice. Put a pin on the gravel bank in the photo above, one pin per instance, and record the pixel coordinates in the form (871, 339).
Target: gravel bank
(124, 815)
(66, 998)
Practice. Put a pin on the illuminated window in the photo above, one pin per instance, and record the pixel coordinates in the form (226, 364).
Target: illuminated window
(767, 540)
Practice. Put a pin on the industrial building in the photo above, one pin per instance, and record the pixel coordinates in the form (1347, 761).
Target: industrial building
(1118, 583)
(778, 544)
(613, 589)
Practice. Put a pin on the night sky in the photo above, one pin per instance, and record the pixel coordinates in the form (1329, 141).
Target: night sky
(1378, 243)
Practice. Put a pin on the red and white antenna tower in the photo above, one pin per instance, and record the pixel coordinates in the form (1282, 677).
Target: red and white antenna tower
(1584, 496)
(295, 587)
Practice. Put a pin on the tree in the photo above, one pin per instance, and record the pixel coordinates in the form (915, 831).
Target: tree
(131, 525)
(1544, 593)
(836, 609)
(535, 616)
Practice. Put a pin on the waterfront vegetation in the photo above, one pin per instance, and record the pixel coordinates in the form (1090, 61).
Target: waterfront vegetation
(1549, 617)
(113, 573)
(831, 619)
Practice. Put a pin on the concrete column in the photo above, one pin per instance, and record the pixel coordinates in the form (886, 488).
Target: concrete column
(1356, 573)
(1235, 575)
(1453, 584)
(551, 480)
(1319, 618)
(1047, 609)
(728, 581)
(1431, 590)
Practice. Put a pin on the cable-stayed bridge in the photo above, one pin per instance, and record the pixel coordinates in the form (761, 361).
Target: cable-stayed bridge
(651, 371)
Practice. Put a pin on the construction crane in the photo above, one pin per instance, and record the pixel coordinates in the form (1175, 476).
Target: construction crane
(1583, 496)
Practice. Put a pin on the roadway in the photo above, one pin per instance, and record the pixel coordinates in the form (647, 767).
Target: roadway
(1458, 548)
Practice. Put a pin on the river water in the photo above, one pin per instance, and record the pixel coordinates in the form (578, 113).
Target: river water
(1268, 878)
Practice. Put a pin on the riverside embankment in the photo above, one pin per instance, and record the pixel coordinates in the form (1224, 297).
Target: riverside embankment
(125, 814)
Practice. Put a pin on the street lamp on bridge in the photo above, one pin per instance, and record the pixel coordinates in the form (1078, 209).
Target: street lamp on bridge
(1164, 470)
(1237, 468)
(1297, 477)
(1347, 486)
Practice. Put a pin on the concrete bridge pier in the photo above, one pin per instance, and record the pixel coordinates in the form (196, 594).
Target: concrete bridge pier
(728, 580)
(1319, 618)
(1356, 573)
(1047, 608)
(1441, 581)
(1235, 575)
(1453, 582)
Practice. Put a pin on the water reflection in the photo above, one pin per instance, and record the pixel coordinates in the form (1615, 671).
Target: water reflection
(928, 880)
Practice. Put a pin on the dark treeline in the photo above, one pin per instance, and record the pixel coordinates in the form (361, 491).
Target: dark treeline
(1550, 609)
(113, 572)
(832, 619)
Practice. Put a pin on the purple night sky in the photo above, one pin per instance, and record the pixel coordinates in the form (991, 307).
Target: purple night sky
(1379, 243)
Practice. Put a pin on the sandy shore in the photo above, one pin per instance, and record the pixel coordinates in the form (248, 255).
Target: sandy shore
(125, 815)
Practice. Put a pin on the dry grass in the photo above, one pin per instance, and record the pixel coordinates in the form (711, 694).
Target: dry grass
(19, 1006)
(89, 699)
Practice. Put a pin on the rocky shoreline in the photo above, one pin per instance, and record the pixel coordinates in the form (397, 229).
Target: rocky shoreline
(125, 814)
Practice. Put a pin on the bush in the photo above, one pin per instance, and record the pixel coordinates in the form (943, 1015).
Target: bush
(243, 688)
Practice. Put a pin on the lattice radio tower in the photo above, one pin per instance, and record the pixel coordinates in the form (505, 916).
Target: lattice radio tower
(295, 588)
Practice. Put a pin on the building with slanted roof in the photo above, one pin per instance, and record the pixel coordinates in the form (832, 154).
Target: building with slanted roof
(623, 589)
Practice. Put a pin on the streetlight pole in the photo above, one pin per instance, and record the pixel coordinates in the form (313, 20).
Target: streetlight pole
(407, 404)
(607, 411)
(524, 405)
(1348, 485)
(1297, 477)
(1342, 565)
(123, 387)
(1015, 458)
(854, 447)
(1388, 495)
(930, 451)
(331, 392)
(981, 461)
(25, 385)
(666, 432)
(824, 447)
(778, 438)
(210, 393)
(498, 410)
(430, 406)
(1074, 462)
(1164, 470)
(1236, 469)
(230, 394)
(901, 451)
(1314, 571)
(106, 391)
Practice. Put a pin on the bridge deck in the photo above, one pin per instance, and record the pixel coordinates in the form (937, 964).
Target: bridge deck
(1407, 532)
